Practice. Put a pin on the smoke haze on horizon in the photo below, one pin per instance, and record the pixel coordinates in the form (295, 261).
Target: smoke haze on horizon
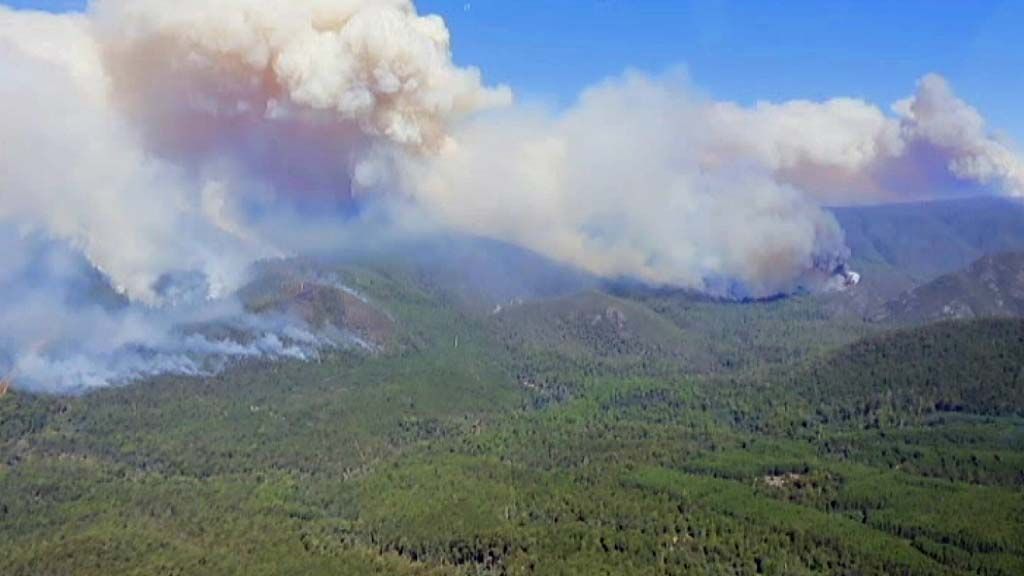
(158, 139)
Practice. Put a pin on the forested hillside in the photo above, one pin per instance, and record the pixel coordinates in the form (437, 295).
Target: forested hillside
(646, 432)
(511, 288)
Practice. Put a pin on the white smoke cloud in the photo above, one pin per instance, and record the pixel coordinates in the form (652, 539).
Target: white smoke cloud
(645, 177)
(937, 118)
(846, 151)
(291, 94)
(616, 185)
(75, 171)
(160, 140)
(167, 119)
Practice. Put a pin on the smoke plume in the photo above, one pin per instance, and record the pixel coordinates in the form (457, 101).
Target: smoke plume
(645, 177)
(154, 150)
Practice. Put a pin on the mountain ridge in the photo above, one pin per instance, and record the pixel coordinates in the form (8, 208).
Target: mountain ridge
(992, 286)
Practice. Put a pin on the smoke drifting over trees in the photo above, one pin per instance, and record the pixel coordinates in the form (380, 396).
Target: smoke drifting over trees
(150, 139)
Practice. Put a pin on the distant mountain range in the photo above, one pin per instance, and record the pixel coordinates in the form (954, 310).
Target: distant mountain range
(897, 248)
(912, 257)
(900, 246)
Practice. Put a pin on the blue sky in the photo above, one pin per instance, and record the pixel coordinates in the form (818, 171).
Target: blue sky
(743, 50)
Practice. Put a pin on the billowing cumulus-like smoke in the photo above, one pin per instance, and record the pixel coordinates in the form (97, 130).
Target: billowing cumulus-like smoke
(618, 185)
(173, 119)
(154, 150)
(846, 151)
(645, 177)
(291, 94)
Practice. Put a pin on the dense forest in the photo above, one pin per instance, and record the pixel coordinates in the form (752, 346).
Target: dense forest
(606, 432)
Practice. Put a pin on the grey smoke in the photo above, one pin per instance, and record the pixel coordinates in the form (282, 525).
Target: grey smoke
(67, 330)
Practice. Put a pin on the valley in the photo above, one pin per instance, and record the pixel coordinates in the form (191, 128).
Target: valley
(586, 428)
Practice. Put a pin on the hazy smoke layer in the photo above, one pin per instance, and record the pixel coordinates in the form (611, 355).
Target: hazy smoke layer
(67, 330)
(165, 146)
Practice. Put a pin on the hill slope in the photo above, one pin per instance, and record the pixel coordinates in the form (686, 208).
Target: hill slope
(921, 241)
(992, 286)
(973, 366)
(641, 433)
(899, 247)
